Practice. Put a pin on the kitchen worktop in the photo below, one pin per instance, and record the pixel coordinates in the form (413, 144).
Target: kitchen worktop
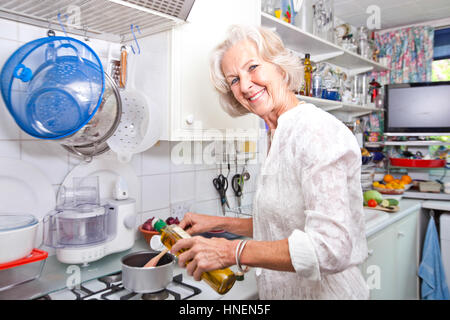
(56, 275)
(384, 219)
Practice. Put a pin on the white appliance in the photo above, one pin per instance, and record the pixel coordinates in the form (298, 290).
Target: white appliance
(84, 228)
(444, 222)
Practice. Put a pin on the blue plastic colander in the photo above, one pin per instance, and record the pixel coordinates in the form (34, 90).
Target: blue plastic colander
(52, 86)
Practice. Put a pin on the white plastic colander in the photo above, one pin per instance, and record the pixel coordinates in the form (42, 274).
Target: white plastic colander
(139, 127)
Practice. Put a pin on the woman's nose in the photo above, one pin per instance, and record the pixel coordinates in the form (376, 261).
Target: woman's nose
(246, 83)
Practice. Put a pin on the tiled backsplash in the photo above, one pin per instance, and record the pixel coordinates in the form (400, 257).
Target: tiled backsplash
(163, 183)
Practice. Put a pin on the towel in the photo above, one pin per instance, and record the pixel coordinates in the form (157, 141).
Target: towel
(434, 284)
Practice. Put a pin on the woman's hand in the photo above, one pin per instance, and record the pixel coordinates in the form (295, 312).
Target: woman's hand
(204, 254)
(194, 223)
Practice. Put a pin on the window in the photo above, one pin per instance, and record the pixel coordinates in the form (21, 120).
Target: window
(441, 55)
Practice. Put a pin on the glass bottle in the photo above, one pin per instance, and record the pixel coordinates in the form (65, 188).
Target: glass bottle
(317, 85)
(358, 132)
(308, 75)
(221, 280)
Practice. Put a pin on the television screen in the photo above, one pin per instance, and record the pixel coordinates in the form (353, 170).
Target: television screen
(417, 107)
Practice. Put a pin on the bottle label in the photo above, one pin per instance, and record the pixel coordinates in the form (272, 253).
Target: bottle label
(183, 234)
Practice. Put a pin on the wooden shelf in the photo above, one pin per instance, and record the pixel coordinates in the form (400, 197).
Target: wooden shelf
(320, 49)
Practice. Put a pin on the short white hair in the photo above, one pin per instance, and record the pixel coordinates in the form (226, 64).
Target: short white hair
(270, 47)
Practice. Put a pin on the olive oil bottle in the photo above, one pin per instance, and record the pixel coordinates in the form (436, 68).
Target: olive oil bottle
(308, 75)
(221, 280)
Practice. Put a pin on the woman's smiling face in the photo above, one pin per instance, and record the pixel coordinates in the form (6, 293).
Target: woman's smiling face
(256, 84)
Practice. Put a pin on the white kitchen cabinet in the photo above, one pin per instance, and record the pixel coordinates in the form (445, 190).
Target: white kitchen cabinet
(391, 267)
(195, 112)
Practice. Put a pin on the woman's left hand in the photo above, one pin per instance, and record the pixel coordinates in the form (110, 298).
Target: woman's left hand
(204, 254)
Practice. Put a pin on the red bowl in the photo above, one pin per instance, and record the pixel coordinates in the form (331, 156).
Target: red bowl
(417, 163)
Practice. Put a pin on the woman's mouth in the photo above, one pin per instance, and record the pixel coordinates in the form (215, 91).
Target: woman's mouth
(257, 95)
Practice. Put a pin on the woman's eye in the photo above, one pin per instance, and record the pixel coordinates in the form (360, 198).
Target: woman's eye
(253, 67)
(234, 81)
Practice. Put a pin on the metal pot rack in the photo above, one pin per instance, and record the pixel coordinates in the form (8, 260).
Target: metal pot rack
(108, 20)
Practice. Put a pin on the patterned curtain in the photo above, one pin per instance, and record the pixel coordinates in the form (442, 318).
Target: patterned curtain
(409, 54)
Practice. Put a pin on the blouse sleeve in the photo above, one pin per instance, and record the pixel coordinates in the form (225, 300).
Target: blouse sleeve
(330, 158)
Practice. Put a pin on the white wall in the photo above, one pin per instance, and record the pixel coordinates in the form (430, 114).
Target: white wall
(163, 183)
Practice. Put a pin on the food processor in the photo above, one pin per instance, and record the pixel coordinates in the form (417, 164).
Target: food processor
(84, 228)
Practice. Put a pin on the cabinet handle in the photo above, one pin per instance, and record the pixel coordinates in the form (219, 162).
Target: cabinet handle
(370, 252)
(400, 234)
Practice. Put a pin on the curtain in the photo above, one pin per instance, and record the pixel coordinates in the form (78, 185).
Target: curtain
(409, 53)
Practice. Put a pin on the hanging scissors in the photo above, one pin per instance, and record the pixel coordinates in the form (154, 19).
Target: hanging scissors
(221, 185)
(237, 183)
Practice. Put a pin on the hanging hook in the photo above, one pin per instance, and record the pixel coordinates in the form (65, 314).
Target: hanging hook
(86, 37)
(50, 32)
(135, 40)
(60, 23)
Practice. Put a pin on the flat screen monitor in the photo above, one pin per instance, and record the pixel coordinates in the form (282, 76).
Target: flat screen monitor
(417, 108)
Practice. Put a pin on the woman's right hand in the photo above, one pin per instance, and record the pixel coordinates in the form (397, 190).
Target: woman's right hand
(194, 223)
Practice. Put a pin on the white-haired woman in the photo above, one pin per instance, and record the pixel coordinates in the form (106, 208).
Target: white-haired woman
(307, 230)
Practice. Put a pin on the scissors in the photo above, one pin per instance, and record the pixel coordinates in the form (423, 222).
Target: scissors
(221, 185)
(237, 183)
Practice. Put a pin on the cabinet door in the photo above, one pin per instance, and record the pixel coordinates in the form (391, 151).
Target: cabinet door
(406, 257)
(379, 268)
(195, 104)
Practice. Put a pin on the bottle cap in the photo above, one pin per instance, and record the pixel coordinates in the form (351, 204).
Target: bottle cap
(307, 55)
(158, 224)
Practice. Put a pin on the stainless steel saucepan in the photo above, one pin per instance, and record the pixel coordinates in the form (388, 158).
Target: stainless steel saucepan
(146, 280)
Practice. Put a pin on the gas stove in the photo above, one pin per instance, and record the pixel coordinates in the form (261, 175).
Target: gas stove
(110, 287)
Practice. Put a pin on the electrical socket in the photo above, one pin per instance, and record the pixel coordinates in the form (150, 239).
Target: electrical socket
(178, 209)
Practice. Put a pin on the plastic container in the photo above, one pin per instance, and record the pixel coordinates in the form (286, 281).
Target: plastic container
(23, 270)
(17, 236)
(52, 86)
(82, 226)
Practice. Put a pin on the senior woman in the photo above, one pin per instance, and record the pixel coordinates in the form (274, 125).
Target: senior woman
(307, 227)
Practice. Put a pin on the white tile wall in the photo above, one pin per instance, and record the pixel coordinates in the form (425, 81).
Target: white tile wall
(163, 181)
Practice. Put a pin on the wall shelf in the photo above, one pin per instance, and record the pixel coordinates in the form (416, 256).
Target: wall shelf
(102, 19)
(320, 49)
(416, 143)
(344, 111)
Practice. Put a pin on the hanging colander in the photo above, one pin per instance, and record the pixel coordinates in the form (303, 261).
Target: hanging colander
(139, 126)
(52, 86)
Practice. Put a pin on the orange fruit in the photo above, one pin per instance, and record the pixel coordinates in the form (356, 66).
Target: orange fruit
(406, 179)
(388, 178)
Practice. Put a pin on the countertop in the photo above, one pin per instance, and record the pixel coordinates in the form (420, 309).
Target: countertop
(56, 275)
(407, 206)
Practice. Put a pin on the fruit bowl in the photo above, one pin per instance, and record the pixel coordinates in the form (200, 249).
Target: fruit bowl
(147, 234)
(389, 191)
